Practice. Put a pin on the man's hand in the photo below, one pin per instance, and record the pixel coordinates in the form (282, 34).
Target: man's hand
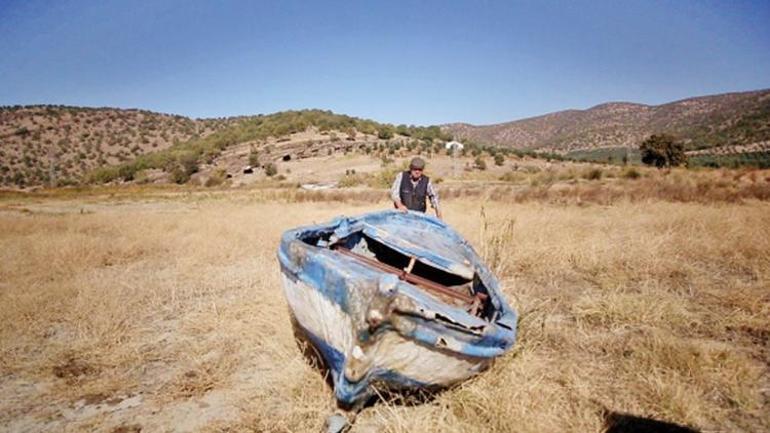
(400, 206)
(438, 214)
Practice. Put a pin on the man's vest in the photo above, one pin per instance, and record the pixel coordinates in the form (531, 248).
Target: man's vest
(413, 196)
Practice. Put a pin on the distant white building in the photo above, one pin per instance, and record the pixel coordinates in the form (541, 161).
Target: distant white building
(454, 145)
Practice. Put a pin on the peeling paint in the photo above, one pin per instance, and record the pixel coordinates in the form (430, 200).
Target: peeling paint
(372, 327)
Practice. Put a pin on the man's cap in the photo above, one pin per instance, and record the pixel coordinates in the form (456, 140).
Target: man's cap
(417, 163)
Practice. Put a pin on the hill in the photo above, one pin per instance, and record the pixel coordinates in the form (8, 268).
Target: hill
(704, 122)
(58, 145)
(264, 140)
(50, 144)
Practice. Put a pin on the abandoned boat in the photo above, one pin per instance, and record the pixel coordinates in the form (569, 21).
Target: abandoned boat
(395, 301)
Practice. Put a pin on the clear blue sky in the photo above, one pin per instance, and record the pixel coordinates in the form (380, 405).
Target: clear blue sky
(421, 62)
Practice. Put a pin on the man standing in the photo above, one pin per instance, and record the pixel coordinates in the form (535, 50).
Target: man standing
(411, 188)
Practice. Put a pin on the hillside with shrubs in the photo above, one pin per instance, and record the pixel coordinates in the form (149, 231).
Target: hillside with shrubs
(60, 145)
(719, 121)
(261, 141)
(57, 145)
(52, 146)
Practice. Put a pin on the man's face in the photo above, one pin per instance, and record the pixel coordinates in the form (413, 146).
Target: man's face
(416, 172)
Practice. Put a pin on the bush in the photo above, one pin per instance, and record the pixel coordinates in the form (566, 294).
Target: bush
(254, 159)
(512, 176)
(271, 169)
(479, 163)
(662, 151)
(178, 175)
(593, 174)
(217, 178)
(127, 172)
(385, 134)
(385, 177)
(188, 162)
(631, 173)
(351, 180)
(499, 159)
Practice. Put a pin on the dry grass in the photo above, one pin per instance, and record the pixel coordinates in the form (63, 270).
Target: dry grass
(164, 311)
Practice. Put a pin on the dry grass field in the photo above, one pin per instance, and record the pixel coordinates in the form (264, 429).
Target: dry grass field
(161, 312)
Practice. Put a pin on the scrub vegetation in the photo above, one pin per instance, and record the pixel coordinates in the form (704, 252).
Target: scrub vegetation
(704, 122)
(642, 292)
(256, 129)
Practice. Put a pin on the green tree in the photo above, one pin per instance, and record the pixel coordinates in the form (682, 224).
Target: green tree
(499, 159)
(662, 151)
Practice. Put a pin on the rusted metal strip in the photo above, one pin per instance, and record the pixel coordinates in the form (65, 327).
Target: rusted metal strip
(411, 278)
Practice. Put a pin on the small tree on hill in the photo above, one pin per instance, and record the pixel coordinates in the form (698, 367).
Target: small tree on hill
(662, 151)
(499, 159)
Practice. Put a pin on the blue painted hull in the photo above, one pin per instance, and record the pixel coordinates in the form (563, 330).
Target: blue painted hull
(376, 330)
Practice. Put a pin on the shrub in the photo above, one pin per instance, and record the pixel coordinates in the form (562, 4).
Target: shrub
(499, 159)
(178, 175)
(217, 178)
(271, 169)
(351, 180)
(384, 178)
(188, 162)
(631, 173)
(593, 174)
(479, 163)
(662, 151)
(254, 159)
(385, 134)
(511, 176)
(127, 172)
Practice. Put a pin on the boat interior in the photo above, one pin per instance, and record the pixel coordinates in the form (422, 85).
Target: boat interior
(442, 284)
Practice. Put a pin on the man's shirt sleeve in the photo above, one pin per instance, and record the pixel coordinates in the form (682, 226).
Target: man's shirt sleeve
(395, 192)
(433, 195)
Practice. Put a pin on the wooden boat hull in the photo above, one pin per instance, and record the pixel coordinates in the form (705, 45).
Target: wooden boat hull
(374, 329)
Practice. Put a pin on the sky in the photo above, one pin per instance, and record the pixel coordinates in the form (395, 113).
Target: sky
(411, 62)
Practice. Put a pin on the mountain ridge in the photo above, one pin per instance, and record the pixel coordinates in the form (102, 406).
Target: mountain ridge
(60, 145)
(734, 118)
